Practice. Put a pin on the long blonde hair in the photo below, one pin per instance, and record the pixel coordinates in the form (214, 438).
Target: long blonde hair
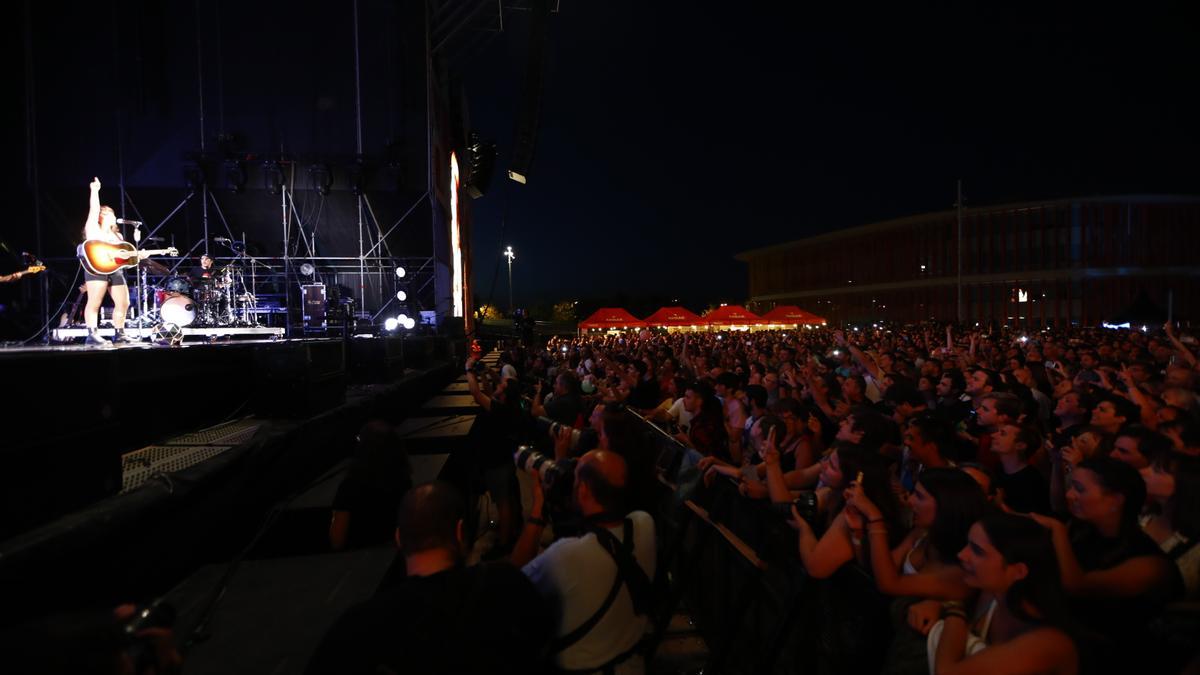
(99, 218)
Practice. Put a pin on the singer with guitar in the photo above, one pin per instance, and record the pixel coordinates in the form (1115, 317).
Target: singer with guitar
(104, 254)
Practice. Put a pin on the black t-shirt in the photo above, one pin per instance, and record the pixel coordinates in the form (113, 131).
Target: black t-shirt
(1113, 617)
(372, 504)
(482, 619)
(495, 433)
(645, 395)
(201, 273)
(1026, 491)
(564, 409)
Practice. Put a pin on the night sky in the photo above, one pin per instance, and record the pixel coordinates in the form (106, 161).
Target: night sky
(674, 136)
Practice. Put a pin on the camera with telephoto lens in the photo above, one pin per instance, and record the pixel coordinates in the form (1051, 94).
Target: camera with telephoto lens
(141, 648)
(548, 427)
(558, 477)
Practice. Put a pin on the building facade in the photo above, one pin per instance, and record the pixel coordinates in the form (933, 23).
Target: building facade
(1037, 264)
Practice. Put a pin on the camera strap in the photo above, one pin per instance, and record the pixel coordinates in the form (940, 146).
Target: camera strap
(629, 573)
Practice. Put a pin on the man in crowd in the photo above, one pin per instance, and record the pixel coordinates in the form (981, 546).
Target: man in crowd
(599, 582)
(444, 617)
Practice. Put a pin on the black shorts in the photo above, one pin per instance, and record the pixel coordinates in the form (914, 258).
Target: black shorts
(115, 279)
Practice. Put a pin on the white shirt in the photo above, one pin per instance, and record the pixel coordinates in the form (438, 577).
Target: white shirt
(680, 414)
(578, 573)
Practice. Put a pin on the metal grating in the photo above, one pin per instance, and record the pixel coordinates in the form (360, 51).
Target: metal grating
(184, 451)
(230, 433)
(140, 466)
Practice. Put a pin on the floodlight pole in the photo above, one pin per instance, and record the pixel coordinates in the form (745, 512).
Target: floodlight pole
(508, 253)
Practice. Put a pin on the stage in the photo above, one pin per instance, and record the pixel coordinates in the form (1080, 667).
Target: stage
(65, 335)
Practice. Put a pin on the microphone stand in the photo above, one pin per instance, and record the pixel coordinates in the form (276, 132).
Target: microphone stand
(137, 238)
(250, 304)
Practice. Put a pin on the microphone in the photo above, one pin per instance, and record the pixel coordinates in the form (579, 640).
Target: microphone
(122, 221)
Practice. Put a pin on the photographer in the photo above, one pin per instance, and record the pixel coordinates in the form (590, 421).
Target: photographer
(565, 405)
(494, 436)
(601, 580)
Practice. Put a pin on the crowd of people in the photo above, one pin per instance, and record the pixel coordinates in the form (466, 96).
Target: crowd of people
(1018, 502)
(1027, 501)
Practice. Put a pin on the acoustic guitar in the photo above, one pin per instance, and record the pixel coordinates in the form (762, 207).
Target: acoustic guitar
(102, 257)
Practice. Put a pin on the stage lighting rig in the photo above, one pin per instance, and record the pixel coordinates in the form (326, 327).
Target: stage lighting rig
(235, 175)
(321, 177)
(273, 177)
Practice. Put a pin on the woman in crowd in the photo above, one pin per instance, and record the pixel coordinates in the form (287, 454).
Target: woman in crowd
(1116, 576)
(1017, 624)
(922, 571)
(1087, 442)
(1173, 488)
(944, 505)
(842, 540)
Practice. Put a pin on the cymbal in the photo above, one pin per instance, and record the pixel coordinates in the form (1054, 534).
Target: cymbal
(154, 267)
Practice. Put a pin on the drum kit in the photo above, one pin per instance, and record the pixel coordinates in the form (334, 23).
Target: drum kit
(218, 300)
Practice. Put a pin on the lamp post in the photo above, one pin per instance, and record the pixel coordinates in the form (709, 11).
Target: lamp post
(508, 253)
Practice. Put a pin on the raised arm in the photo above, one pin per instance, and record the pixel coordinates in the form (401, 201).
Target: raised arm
(1142, 574)
(863, 359)
(92, 225)
(1179, 346)
(481, 398)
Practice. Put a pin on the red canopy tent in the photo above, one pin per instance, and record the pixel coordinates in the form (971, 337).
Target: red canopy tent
(732, 315)
(610, 318)
(674, 317)
(791, 315)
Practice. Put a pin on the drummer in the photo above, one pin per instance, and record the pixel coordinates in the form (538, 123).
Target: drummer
(205, 270)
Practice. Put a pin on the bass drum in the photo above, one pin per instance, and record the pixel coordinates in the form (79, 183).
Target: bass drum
(179, 310)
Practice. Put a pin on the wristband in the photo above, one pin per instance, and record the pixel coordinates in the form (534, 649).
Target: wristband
(953, 606)
(947, 613)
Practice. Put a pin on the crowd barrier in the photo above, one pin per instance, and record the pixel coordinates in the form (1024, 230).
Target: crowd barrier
(732, 564)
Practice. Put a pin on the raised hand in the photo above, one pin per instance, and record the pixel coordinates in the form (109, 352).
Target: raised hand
(771, 449)
(95, 185)
(858, 499)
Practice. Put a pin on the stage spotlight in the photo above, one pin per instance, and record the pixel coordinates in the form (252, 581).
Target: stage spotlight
(402, 319)
(390, 324)
(321, 178)
(193, 175)
(273, 177)
(410, 323)
(307, 269)
(401, 296)
(235, 175)
(400, 272)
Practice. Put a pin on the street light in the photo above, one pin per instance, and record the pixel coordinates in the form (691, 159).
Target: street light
(508, 253)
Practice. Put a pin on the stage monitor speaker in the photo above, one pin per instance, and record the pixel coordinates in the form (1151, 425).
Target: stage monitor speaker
(300, 379)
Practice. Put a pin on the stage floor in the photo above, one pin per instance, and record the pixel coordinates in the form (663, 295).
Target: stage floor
(63, 335)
